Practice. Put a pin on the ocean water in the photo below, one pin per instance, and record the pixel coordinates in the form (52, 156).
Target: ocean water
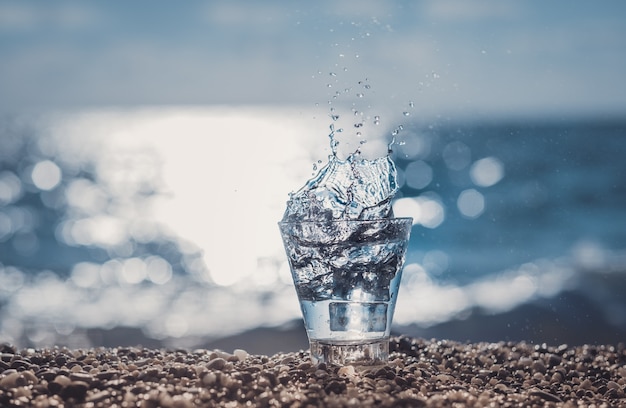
(164, 220)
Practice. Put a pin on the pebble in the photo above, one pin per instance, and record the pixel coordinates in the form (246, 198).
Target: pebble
(240, 354)
(216, 364)
(420, 373)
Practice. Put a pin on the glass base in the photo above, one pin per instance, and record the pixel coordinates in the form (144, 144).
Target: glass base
(370, 353)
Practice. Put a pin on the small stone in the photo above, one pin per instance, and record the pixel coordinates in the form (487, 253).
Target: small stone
(84, 377)
(556, 378)
(13, 380)
(222, 354)
(401, 382)
(209, 379)
(23, 392)
(7, 348)
(554, 360)
(612, 385)
(538, 366)
(347, 371)
(304, 365)
(60, 360)
(241, 355)
(477, 382)
(106, 375)
(271, 377)
(216, 364)
(62, 380)
(320, 374)
(545, 395)
(586, 384)
(20, 364)
(76, 390)
(335, 387)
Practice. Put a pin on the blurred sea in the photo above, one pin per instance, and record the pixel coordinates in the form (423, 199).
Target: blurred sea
(158, 226)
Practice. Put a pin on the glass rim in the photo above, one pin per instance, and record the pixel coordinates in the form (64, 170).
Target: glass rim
(399, 220)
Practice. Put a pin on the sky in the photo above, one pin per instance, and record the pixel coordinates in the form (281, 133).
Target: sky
(486, 57)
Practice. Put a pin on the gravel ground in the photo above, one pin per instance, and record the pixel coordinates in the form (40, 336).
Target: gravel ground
(420, 373)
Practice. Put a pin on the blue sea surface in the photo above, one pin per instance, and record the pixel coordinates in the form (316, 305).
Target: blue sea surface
(520, 234)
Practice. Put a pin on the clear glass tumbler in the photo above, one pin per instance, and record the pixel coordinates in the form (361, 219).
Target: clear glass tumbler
(347, 275)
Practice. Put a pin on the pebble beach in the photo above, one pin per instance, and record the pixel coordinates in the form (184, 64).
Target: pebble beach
(420, 373)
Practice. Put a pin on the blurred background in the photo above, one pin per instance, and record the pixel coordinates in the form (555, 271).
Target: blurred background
(147, 151)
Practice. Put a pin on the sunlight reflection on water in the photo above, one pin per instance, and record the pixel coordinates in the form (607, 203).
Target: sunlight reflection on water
(222, 177)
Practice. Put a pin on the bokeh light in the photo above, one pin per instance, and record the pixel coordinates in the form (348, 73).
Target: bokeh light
(487, 172)
(46, 175)
(471, 203)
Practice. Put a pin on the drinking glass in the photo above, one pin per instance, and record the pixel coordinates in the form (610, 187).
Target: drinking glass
(347, 275)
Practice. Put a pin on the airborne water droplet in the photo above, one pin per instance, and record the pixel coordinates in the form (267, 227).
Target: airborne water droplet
(406, 113)
(411, 104)
(359, 95)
